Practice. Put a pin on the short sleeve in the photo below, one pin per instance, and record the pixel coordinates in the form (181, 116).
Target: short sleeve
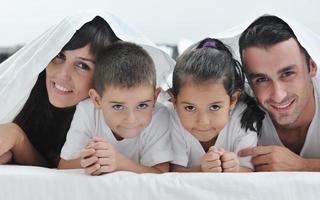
(80, 131)
(179, 143)
(156, 146)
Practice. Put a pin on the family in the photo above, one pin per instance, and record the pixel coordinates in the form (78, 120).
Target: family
(89, 93)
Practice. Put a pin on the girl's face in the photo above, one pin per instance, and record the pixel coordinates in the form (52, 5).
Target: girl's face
(204, 108)
(69, 77)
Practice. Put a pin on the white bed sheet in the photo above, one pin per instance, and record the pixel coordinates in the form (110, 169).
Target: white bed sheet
(23, 182)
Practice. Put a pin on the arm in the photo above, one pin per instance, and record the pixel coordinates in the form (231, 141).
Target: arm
(22, 149)
(276, 158)
(179, 168)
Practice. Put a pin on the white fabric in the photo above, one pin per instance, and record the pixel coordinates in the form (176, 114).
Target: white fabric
(151, 147)
(188, 150)
(311, 147)
(21, 182)
(18, 73)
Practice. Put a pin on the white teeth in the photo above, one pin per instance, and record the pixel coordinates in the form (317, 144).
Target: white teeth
(283, 106)
(59, 87)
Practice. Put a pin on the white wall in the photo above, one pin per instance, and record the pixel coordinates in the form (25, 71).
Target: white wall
(164, 21)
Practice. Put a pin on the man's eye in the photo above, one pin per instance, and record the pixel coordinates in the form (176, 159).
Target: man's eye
(215, 107)
(142, 106)
(261, 80)
(190, 108)
(118, 107)
(286, 74)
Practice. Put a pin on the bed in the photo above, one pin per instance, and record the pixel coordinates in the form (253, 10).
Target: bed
(25, 182)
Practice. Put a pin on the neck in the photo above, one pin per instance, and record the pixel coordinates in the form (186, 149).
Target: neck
(206, 145)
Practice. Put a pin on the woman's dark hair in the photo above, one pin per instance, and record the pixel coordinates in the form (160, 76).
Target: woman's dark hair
(209, 60)
(45, 125)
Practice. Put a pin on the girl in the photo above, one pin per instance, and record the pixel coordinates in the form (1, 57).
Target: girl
(207, 133)
(43, 82)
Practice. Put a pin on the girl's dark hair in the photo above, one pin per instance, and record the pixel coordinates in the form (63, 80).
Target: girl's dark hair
(209, 60)
(45, 125)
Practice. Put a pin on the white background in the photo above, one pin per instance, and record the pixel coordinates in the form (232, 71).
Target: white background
(163, 21)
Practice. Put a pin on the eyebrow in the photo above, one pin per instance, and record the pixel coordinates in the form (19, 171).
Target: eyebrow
(119, 102)
(290, 67)
(87, 59)
(215, 102)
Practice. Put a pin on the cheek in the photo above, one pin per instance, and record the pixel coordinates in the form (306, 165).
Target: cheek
(187, 120)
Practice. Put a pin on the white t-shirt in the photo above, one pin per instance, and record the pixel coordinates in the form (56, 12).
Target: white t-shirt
(311, 147)
(151, 147)
(188, 151)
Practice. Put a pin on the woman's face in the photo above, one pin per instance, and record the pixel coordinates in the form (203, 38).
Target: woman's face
(69, 77)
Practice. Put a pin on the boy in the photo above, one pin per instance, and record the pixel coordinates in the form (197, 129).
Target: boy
(121, 128)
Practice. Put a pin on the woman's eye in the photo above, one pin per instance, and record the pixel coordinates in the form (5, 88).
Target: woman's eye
(61, 56)
(190, 108)
(83, 66)
(215, 107)
(142, 106)
(118, 107)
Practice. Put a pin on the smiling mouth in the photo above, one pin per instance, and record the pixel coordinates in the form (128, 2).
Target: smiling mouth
(283, 107)
(61, 89)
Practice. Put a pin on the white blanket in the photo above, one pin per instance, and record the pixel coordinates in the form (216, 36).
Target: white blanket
(20, 182)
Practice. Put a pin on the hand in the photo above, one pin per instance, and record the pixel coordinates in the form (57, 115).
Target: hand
(6, 157)
(88, 161)
(273, 158)
(108, 157)
(230, 162)
(10, 135)
(211, 161)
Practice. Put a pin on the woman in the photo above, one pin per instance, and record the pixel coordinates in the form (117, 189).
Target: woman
(37, 132)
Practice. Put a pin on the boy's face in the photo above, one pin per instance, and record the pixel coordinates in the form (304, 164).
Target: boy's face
(127, 111)
(281, 81)
(203, 109)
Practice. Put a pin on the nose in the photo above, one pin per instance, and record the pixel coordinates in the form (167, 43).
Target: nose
(65, 71)
(131, 117)
(203, 119)
(278, 93)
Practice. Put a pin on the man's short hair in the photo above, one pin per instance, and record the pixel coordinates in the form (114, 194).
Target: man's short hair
(267, 31)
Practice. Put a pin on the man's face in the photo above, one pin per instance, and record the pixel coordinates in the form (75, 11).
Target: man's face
(281, 81)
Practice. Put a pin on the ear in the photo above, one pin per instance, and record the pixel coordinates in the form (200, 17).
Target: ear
(234, 99)
(95, 98)
(312, 67)
(172, 97)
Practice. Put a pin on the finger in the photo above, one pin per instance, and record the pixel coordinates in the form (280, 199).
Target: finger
(107, 168)
(264, 168)
(231, 169)
(103, 153)
(214, 164)
(261, 159)
(213, 149)
(221, 151)
(93, 168)
(6, 157)
(215, 169)
(101, 146)
(88, 161)
(211, 156)
(227, 156)
(84, 153)
(98, 139)
(254, 151)
(106, 161)
(229, 164)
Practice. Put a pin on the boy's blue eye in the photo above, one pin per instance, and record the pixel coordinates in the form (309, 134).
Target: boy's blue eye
(142, 106)
(118, 107)
(190, 108)
(214, 107)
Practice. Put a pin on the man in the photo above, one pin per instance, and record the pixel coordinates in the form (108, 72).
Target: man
(281, 74)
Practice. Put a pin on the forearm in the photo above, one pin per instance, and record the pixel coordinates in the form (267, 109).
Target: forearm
(24, 153)
(129, 165)
(245, 169)
(312, 165)
(69, 164)
(179, 168)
